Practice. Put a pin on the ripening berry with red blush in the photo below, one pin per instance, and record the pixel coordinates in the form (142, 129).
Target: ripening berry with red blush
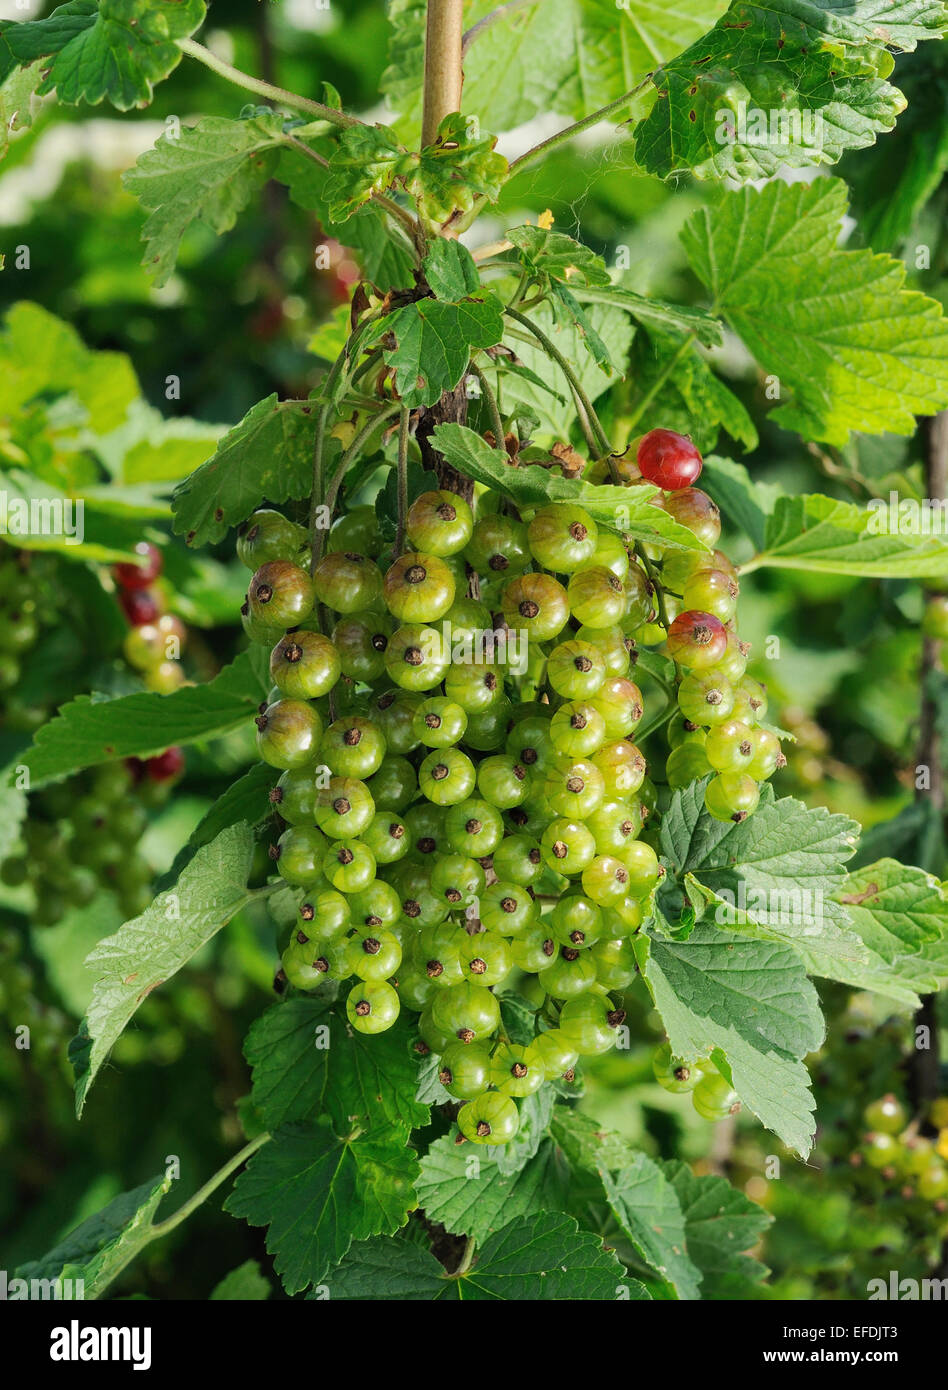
(668, 460)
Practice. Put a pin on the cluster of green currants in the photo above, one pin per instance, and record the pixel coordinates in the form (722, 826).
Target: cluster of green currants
(426, 812)
(83, 835)
(719, 731)
(30, 600)
(712, 1094)
(900, 1154)
(20, 1005)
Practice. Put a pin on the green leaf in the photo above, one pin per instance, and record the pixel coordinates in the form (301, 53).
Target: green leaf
(897, 909)
(41, 356)
(628, 510)
(443, 179)
(886, 540)
(434, 342)
(695, 401)
(384, 255)
(209, 172)
(269, 455)
(13, 804)
(743, 500)
(752, 1000)
(244, 1284)
(542, 1257)
(317, 1194)
(35, 515)
(586, 1145)
(152, 947)
(787, 84)
(656, 313)
(17, 90)
(553, 257)
(774, 874)
(98, 49)
(613, 329)
(546, 1256)
(99, 1249)
(646, 1206)
(451, 271)
(720, 1224)
(92, 729)
(469, 1195)
(535, 1114)
(852, 348)
(307, 1063)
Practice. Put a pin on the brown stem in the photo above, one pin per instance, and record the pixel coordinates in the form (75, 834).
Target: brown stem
(443, 73)
(923, 1071)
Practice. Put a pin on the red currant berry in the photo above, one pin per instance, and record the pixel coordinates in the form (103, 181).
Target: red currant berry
(144, 571)
(668, 460)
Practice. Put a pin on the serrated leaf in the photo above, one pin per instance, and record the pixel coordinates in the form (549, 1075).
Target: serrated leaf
(625, 509)
(152, 947)
(786, 84)
(897, 909)
(720, 1225)
(586, 1145)
(207, 173)
(100, 1248)
(752, 1000)
(852, 347)
(95, 50)
(677, 319)
(646, 1206)
(317, 1194)
(450, 270)
(308, 1063)
(434, 342)
(244, 1284)
(268, 455)
(826, 536)
(91, 729)
(469, 1195)
(542, 1257)
(774, 874)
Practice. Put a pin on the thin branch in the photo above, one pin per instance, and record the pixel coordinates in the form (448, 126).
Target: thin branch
(602, 441)
(655, 582)
(332, 491)
(304, 149)
(162, 1228)
(477, 29)
(265, 89)
(570, 131)
(492, 406)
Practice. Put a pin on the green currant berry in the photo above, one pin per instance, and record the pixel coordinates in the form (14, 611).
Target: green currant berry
(675, 1074)
(268, 536)
(616, 966)
(347, 582)
(712, 591)
(446, 776)
(393, 712)
(349, 865)
(458, 880)
(562, 537)
(498, 546)
(576, 669)
(465, 1069)
(281, 594)
(353, 747)
(697, 640)
(324, 914)
(577, 729)
(372, 1006)
(418, 588)
(606, 880)
(466, 1011)
(714, 1098)
(622, 767)
(507, 908)
(597, 597)
(705, 698)
(576, 921)
(485, 958)
(503, 781)
(534, 950)
(731, 746)
(536, 604)
(304, 665)
(517, 860)
(394, 785)
(574, 788)
(516, 1070)
(568, 846)
(491, 1118)
(300, 852)
(378, 954)
(886, 1114)
(571, 972)
(591, 1024)
(344, 808)
(612, 643)
(556, 1052)
(619, 703)
(731, 796)
(288, 734)
(474, 827)
(439, 722)
(388, 837)
(357, 530)
(417, 659)
(685, 764)
(361, 641)
(439, 523)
